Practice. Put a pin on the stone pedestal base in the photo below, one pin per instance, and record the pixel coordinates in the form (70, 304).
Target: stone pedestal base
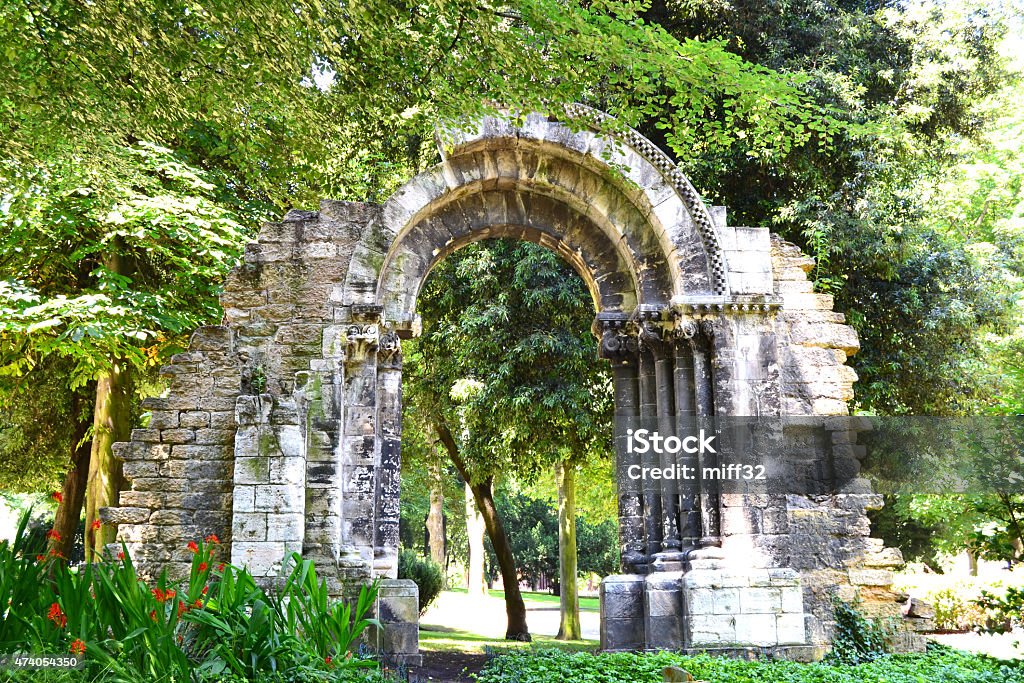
(398, 610)
(704, 609)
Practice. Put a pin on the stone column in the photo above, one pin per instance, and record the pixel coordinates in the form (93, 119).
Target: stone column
(651, 337)
(650, 488)
(619, 346)
(389, 426)
(360, 452)
(700, 335)
(689, 491)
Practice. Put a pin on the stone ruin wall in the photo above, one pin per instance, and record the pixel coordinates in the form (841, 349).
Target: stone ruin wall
(248, 446)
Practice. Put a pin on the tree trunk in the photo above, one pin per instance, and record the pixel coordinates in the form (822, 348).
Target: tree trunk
(972, 563)
(435, 518)
(111, 423)
(515, 609)
(69, 511)
(565, 479)
(475, 529)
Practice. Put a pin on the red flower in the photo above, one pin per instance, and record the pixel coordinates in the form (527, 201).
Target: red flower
(220, 567)
(182, 609)
(96, 525)
(160, 595)
(120, 555)
(212, 538)
(57, 496)
(206, 589)
(170, 593)
(198, 603)
(53, 535)
(203, 566)
(40, 558)
(193, 547)
(327, 660)
(152, 615)
(57, 616)
(78, 647)
(54, 553)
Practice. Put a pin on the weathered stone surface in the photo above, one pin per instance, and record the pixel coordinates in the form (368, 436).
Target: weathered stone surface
(281, 430)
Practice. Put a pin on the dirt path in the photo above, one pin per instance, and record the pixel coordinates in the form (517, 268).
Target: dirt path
(447, 667)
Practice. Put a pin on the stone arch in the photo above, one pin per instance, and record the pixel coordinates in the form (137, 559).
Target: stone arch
(281, 430)
(624, 217)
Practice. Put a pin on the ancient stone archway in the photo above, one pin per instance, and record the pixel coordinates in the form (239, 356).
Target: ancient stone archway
(281, 431)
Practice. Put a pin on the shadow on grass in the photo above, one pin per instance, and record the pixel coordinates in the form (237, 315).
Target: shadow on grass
(587, 604)
(445, 639)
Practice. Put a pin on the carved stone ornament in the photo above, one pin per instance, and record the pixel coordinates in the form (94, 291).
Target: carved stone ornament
(389, 350)
(619, 342)
(362, 339)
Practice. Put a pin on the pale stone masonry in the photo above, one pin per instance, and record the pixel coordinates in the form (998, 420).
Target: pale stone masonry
(281, 429)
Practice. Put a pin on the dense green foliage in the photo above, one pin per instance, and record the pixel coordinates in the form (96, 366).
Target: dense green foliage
(533, 532)
(216, 625)
(914, 215)
(507, 360)
(425, 572)
(856, 638)
(553, 666)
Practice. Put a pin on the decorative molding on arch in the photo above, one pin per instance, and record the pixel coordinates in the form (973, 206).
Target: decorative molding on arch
(643, 215)
(698, 209)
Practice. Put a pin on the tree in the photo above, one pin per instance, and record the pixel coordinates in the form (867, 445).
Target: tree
(507, 356)
(103, 270)
(912, 81)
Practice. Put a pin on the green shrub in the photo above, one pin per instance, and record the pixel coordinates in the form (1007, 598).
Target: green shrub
(956, 608)
(556, 666)
(1002, 612)
(218, 625)
(425, 572)
(856, 638)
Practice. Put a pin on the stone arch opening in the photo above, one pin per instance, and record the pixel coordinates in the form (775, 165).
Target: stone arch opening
(281, 429)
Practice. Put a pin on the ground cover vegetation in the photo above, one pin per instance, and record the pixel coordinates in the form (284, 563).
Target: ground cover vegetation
(217, 625)
(939, 663)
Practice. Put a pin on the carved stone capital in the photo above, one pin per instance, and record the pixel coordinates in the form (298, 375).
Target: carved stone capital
(698, 332)
(361, 340)
(618, 339)
(389, 350)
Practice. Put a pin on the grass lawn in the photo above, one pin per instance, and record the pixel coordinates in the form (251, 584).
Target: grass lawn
(587, 604)
(436, 639)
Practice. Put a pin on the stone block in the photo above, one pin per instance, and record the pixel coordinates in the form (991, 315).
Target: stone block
(170, 517)
(249, 526)
(288, 470)
(252, 470)
(262, 558)
(791, 599)
(146, 435)
(622, 635)
(760, 600)
(757, 629)
(398, 602)
(124, 515)
(212, 338)
(790, 629)
(727, 601)
(700, 601)
(285, 527)
(163, 419)
(279, 499)
(712, 629)
(177, 436)
(244, 499)
(214, 436)
(870, 577)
